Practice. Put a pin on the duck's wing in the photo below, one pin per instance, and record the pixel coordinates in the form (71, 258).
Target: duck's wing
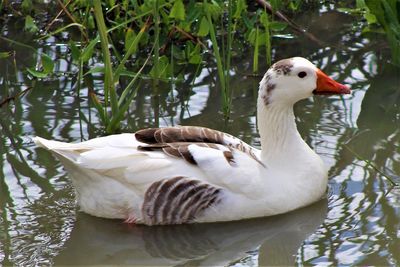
(194, 134)
(222, 159)
(157, 153)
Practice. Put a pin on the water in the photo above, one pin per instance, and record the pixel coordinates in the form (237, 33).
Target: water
(357, 136)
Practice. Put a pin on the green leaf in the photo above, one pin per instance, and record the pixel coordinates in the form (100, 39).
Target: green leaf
(131, 49)
(255, 53)
(277, 26)
(5, 54)
(37, 74)
(264, 20)
(163, 68)
(26, 6)
(178, 10)
(47, 63)
(261, 40)
(350, 10)
(61, 29)
(275, 4)
(97, 69)
(99, 107)
(240, 6)
(130, 36)
(371, 19)
(374, 30)
(375, 8)
(252, 36)
(195, 56)
(204, 28)
(30, 25)
(213, 9)
(294, 6)
(90, 23)
(195, 59)
(75, 53)
(360, 4)
(109, 87)
(88, 50)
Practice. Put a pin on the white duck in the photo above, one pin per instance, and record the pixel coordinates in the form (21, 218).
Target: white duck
(190, 174)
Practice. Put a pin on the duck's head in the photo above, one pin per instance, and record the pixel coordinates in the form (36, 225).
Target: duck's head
(290, 80)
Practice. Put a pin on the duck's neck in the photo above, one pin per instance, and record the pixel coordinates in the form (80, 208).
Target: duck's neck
(280, 139)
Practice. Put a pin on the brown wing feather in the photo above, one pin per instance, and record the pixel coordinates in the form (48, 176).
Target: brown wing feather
(174, 141)
(179, 134)
(181, 150)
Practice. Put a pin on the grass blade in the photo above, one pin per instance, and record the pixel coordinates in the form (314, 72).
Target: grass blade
(132, 49)
(125, 100)
(220, 67)
(109, 89)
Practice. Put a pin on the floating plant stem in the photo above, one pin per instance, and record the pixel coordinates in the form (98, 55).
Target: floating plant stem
(370, 164)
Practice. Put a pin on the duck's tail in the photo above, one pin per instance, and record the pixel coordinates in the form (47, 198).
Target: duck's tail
(100, 153)
(60, 149)
(50, 144)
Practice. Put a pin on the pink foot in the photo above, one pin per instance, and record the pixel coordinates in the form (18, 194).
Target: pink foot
(131, 219)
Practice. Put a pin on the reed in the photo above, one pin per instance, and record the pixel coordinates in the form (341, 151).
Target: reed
(223, 61)
(119, 104)
(387, 14)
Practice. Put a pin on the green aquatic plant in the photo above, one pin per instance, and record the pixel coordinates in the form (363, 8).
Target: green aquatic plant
(381, 17)
(118, 104)
(387, 14)
(171, 36)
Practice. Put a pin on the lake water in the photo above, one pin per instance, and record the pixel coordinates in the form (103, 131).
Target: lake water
(357, 135)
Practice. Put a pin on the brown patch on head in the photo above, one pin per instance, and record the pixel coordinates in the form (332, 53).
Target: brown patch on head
(283, 66)
(267, 94)
(270, 87)
(267, 77)
(265, 98)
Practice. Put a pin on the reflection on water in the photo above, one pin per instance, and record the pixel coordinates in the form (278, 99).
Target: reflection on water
(99, 241)
(358, 137)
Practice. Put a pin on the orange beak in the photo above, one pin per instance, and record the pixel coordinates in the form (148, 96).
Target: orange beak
(328, 86)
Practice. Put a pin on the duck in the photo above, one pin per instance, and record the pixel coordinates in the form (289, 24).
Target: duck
(193, 174)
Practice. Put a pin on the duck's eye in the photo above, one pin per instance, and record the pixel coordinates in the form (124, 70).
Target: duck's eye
(302, 74)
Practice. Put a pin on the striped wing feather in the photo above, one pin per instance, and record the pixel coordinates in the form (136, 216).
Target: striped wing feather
(181, 150)
(178, 200)
(180, 134)
(175, 141)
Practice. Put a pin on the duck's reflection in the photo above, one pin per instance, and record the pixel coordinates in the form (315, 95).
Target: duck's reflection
(96, 241)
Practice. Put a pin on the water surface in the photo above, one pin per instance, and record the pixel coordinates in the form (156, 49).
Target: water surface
(358, 137)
